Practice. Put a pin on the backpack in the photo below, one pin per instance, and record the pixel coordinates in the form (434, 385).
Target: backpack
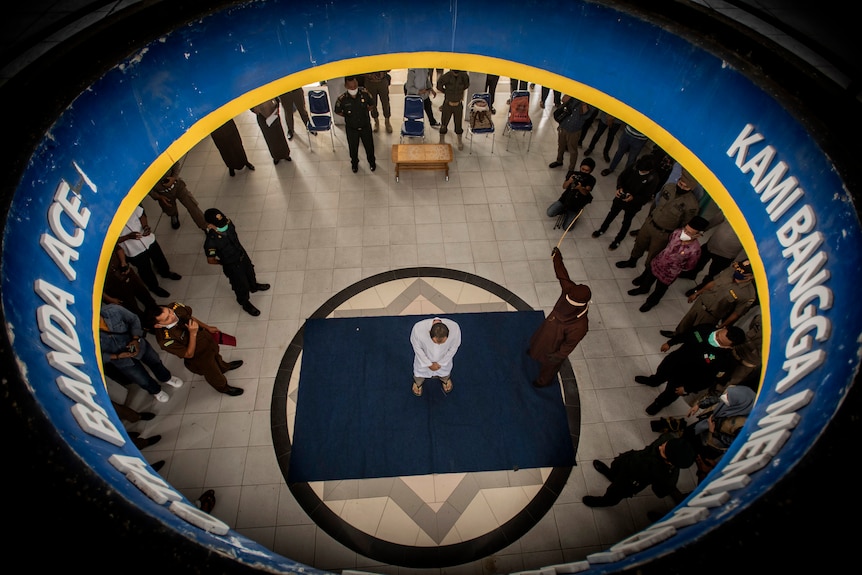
(519, 111)
(480, 115)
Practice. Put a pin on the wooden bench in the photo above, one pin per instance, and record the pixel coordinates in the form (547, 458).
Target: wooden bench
(421, 157)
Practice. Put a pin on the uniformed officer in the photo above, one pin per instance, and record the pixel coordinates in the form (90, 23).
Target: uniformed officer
(222, 247)
(675, 208)
(722, 301)
(183, 335)
(355, 106)
(172, 188)
(704, 360)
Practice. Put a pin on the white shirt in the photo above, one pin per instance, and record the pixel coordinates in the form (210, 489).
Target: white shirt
(428, 352)
(136, 247)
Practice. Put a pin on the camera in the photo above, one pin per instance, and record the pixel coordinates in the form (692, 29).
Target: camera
(165, 183)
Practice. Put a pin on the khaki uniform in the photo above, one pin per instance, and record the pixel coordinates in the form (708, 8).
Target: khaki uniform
(674, 211)
(207, 360)
(725, 297)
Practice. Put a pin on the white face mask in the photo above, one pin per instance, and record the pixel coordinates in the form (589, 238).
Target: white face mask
(723, 397)
(685, 237)
(353, 92)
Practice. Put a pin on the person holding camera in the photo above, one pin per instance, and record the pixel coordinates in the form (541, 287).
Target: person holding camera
(144, 252)
(172, 189)
(636, 187)
(577, 193)
(123, 346)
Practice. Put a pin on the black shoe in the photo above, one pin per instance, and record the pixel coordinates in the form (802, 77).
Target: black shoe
(172, 276)
(647, 380)
(555, 164)
(597, 233)
(638, 291)
(259, 287)
(249, 166)
(690, 292)
(354, 168)
(248, 307)
(161, 292)
(276, 161)
(602, 468)
(231, 171)
(234, 391)
(588, 151)
(175, 222)
(149, 441)
(289, 135)
(614, 245)
(593, 501)
(147, 415)
(235, 364)
(158, 465)
(637, 281)
(634, 233)
(653, 408)
(373, 167)
(667, 333)
(605, 172)
(646, 306)
(627, 263)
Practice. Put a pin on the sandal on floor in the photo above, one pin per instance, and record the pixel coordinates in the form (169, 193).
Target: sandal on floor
(207, 500)
(417, 390)
(447, 386)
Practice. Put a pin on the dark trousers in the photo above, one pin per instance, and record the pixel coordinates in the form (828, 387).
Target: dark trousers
(717, 265)
(213, 368)
(491, 86)
(454, 112)
(628, 146)
(618, 206)
(429, 110)
(136, 372)
(558, 99)
(354, 135)
(646, 280)
(151, 258)
(601, 127)
(241, 277)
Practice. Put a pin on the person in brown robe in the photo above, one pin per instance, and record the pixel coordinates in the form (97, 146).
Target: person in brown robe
(563, 329)
(269, 121)
(229, 144)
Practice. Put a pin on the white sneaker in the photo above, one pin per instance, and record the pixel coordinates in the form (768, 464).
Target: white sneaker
(162, 397)
(174, 381)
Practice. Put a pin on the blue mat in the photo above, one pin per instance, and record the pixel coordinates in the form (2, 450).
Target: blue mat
(357, 417)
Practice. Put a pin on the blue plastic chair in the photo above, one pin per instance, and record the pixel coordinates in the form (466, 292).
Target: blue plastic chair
(519, 104)
(414, 118)
(480, 101)
(319, 115)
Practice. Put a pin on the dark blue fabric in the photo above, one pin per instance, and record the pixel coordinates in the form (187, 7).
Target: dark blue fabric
(358, 418)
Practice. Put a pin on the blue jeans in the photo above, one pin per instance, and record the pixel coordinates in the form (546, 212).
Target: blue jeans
(556, 209)
(139, 375)
(628, 145)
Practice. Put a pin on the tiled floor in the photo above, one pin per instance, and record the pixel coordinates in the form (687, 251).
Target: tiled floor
(313, 229)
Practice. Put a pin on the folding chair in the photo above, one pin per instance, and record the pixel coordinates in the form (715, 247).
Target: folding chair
(319, 115)
(518, 119)
(414, 118)
(479, 114)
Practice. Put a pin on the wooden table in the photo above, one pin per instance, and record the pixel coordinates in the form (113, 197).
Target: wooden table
(421, 157)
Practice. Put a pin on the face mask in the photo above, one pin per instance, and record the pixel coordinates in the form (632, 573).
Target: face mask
(723, 397)
(685, 237)
(712, 341)
(353, 92)
(738, 276)
(222, 229)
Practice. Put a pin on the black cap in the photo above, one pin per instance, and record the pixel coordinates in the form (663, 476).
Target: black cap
(215, 217)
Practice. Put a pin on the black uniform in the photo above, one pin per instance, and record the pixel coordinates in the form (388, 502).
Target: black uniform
(357, 123)
(234, 260)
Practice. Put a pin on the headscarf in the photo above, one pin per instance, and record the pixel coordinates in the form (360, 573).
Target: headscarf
(740, 401)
